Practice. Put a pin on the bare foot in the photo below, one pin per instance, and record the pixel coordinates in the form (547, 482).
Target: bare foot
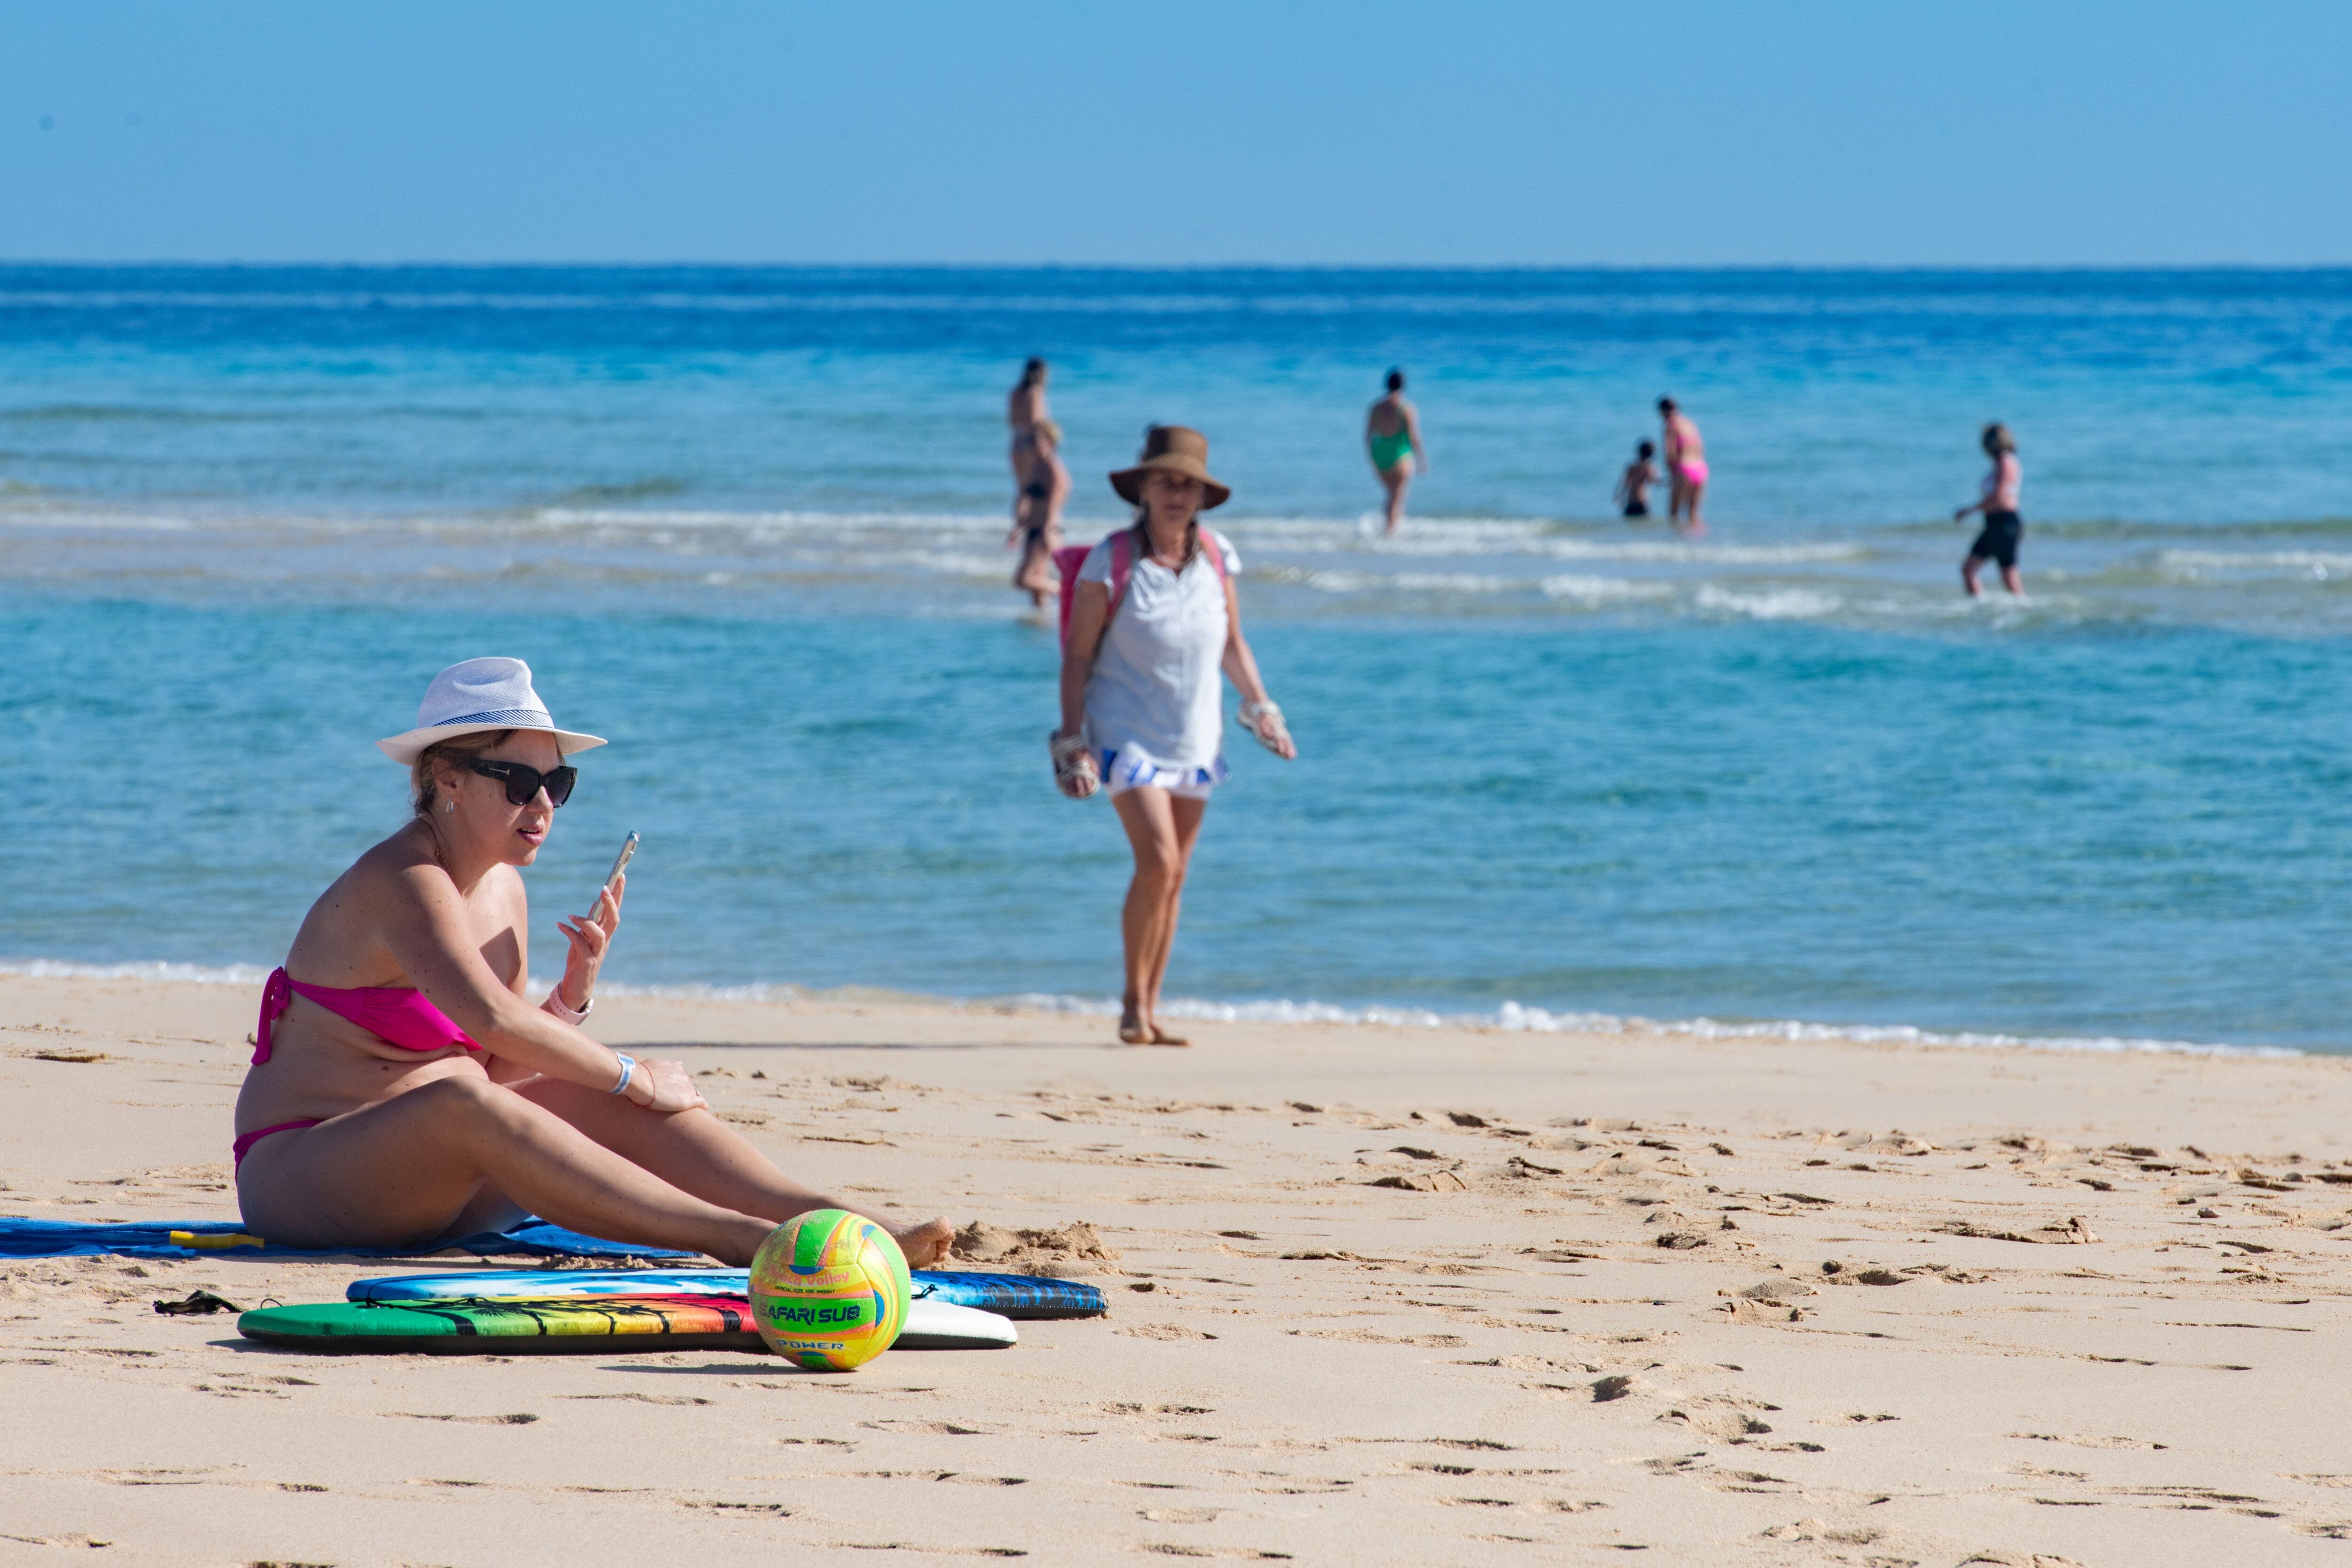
(1134, 1031)
(1161, 1036)
(925, 1243)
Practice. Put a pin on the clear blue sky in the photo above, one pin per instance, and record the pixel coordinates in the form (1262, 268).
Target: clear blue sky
(1692, 132)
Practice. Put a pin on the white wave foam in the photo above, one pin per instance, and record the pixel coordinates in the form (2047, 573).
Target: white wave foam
(2314, 563)
(186, 973)
(1347, 582)
(1693, 553)
(1769, 604)
(1601, 590)
(1569, 586)
(827, 524)
(1512, 1018)
(760, 990)
(1454, 583)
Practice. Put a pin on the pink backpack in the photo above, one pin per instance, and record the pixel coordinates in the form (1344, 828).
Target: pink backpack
(1070, 557)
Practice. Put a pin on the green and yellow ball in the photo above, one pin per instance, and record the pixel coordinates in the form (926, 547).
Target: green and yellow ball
(830, 1290)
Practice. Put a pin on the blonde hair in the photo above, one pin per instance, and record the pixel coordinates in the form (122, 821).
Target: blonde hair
(1998, 439)
(457, 750)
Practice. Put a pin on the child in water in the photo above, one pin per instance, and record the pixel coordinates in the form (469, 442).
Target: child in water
(1633, 485)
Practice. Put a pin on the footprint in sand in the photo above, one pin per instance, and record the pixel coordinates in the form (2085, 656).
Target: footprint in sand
(2082, 1440)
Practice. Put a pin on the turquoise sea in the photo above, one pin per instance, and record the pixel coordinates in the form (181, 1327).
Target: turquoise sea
(748, 523)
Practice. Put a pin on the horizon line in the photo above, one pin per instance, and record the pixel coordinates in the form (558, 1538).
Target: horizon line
(940, 266)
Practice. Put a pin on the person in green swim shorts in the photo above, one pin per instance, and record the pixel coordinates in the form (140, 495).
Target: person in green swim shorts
(1392, 435)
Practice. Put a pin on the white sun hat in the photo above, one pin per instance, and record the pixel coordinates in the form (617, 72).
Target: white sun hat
(481, 694)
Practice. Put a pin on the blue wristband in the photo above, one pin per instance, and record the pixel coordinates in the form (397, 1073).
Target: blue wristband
(628, 1072)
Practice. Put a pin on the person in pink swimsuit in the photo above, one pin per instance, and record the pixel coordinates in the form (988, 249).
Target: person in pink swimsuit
(1685, 468)
(403, 1090)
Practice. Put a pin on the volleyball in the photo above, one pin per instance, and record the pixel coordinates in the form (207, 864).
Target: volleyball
(830, 1290)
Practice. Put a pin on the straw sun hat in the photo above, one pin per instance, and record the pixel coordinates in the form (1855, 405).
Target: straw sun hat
(1175, 449)
(481, 694)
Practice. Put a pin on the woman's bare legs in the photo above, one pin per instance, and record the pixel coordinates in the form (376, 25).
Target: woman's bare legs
(415, 1167)
(1162, 831)
(699, 1153)
(1396, 481)
(1035, 572)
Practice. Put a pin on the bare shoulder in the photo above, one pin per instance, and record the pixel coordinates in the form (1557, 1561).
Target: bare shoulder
(342, 939)
(513, 900)
(404, 860)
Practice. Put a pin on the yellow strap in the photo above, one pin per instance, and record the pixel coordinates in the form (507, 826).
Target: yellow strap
(215, 1243)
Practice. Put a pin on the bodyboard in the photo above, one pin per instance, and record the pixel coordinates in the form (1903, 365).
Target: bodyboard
(1018, 1296)
(576, 1325)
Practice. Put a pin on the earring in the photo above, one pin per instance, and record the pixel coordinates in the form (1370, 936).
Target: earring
(449, 806)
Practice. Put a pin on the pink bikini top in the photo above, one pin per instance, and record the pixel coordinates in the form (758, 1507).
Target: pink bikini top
(396, 1014)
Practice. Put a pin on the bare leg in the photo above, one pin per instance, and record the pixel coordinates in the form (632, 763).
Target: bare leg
(403, 1171)
(1968, 570)
(1188, 816)
(2012, 581)
(1693, 496)
(1676, 494)
(440, 1160)
(1037, 570)
(1396, 481)
(1149, 817)
(699, 1153)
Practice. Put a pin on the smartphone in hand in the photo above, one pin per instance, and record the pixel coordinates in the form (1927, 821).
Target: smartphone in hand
(620, 864)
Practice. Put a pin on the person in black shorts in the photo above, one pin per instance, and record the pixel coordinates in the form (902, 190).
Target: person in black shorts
(1633, 484)
(2003, 529)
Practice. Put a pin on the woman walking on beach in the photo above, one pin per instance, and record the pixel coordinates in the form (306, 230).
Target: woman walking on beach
(402, 1091)
(1153, 620)
(1686, 467)
(1038, 514)
(2003, 530)
(1392, 437)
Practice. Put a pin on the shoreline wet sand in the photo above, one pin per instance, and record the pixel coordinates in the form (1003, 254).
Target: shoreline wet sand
(1378, 1294)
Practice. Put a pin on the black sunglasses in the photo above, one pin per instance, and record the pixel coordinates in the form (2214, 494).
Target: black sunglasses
(524, 782)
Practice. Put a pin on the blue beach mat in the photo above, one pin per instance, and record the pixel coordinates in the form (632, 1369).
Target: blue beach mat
(221, 1239)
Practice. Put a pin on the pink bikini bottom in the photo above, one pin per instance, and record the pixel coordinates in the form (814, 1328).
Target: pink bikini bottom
(245, 1141)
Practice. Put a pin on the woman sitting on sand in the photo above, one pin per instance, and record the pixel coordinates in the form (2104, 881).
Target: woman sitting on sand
(1154, 619)
(404, 1092)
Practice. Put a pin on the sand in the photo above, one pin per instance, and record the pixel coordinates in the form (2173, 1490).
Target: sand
(1379, 1294)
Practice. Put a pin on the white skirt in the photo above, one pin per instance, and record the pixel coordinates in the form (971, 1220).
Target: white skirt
(1132, 767)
